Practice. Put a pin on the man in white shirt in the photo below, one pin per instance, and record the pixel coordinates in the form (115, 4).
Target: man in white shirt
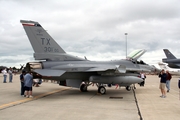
(4, 72)
(143, 76)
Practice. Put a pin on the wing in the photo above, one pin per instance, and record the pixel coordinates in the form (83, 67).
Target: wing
(118, 68)
(49, 72)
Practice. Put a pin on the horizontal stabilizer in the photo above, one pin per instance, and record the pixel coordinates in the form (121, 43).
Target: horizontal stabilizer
(48, 72)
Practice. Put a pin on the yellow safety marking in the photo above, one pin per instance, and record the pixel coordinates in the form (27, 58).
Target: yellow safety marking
(29, 99)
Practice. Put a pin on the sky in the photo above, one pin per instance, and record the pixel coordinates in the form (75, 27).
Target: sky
(92, 28)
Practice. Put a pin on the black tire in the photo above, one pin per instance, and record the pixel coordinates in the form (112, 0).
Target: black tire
(83, 88)
(128, 88)
(102, 90)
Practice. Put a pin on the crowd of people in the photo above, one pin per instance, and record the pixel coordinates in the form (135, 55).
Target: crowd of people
(5, 73)
(26, 80)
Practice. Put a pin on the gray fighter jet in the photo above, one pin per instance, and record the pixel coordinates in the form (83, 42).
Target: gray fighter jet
(55, 64)
(172, 61)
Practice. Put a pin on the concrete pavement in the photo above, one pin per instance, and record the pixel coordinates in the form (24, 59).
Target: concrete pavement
(52, 101)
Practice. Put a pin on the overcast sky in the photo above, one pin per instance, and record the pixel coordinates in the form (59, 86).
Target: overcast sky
(92, 28)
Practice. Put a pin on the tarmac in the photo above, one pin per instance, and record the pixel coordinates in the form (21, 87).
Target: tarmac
(55, 102)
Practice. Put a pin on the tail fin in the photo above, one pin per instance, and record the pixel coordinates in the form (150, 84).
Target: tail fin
(45, 47)
(168, 54)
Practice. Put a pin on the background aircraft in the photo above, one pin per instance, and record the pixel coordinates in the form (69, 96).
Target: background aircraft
(55, 64)
(172, 61)
(172, 71)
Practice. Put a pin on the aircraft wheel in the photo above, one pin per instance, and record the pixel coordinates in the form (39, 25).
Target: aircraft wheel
(83, 88)
(102, 90)
(128, 88)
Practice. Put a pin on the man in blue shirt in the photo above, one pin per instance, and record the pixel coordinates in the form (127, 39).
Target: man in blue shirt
(162, 85)
(28, 83)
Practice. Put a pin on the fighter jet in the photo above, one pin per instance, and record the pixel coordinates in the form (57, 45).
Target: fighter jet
(55, 64)
(172, 61)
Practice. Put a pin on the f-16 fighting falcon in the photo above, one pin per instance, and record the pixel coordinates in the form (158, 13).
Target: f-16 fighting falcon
(56, 64)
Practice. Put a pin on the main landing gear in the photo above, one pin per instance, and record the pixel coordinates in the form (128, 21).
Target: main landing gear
(101, 88)
(83, 88)
(128, 88)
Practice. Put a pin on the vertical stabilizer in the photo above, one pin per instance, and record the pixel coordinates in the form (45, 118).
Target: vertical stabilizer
(45, 47)
(168, 54)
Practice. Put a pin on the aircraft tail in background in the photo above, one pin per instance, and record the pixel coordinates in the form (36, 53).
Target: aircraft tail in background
(168, 54)
(45, 47)
(172, 61)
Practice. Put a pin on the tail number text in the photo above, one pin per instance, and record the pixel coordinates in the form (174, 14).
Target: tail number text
(51, 49)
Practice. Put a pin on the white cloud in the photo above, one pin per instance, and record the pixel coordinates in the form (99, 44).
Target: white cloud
(92, 28)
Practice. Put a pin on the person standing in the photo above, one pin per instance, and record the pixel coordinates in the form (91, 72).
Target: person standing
(168, 80)
(28, 83)
(4, 72)
(22, 83)
(162, 85)
(10, 74)
(143, 76)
